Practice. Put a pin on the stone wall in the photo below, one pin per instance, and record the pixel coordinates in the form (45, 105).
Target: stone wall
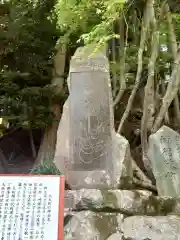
(120, 214)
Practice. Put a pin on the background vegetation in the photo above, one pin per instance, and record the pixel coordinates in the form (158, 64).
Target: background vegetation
(38, 38)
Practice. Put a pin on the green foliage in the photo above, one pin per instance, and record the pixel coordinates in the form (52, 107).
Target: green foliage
(29, 34)
(176, 20)
(47, 168)
(30, 31)
(91, 19)
(27, 46)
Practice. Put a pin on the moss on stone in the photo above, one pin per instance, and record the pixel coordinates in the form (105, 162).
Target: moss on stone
(47, 168)
(126, 183)
(168, 205)
(109, 198)
(158, 206)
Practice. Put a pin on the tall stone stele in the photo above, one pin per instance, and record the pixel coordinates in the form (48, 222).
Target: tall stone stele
(96, 153)
(91, 118)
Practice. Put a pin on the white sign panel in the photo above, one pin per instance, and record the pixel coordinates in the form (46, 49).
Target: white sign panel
(31, 207)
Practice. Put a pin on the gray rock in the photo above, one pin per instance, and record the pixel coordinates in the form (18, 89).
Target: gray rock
(164, 154)
(116, 236)
(90, 226)
(61, 158)
(152, 228)
(98, 157)
(114, 199)
(122, 161)
(125, 201)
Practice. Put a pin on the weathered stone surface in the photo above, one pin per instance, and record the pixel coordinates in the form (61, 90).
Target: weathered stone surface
(104, 178)
(164, 154)
(114, 199)
(87, 126)
(116, 236)
(125, 201)
(91, 122)
(90, 226)
(114, 177)
(122, 161)
(152, 228)
(62, 146)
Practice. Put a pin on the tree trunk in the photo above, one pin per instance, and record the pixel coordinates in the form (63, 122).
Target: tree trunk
(122, 53)
(171, 92)
(48, 144)
(149, 93)
(144, 33)
(173, 47)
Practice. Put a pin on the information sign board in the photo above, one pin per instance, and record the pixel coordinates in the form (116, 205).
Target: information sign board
(31, 207)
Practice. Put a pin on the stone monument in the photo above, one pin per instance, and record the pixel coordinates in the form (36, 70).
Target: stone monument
(164, 154)
(90, 121)
(96, 153)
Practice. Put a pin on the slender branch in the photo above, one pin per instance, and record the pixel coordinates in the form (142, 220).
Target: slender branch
(171, 92)
(122, 53)
(176, 108)
(144, 185)
(171, 33)
(138, 173)
(149, 104)
(114, 74)
(173, 47)
(173, 85)
(144, 30)
(166, 117)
